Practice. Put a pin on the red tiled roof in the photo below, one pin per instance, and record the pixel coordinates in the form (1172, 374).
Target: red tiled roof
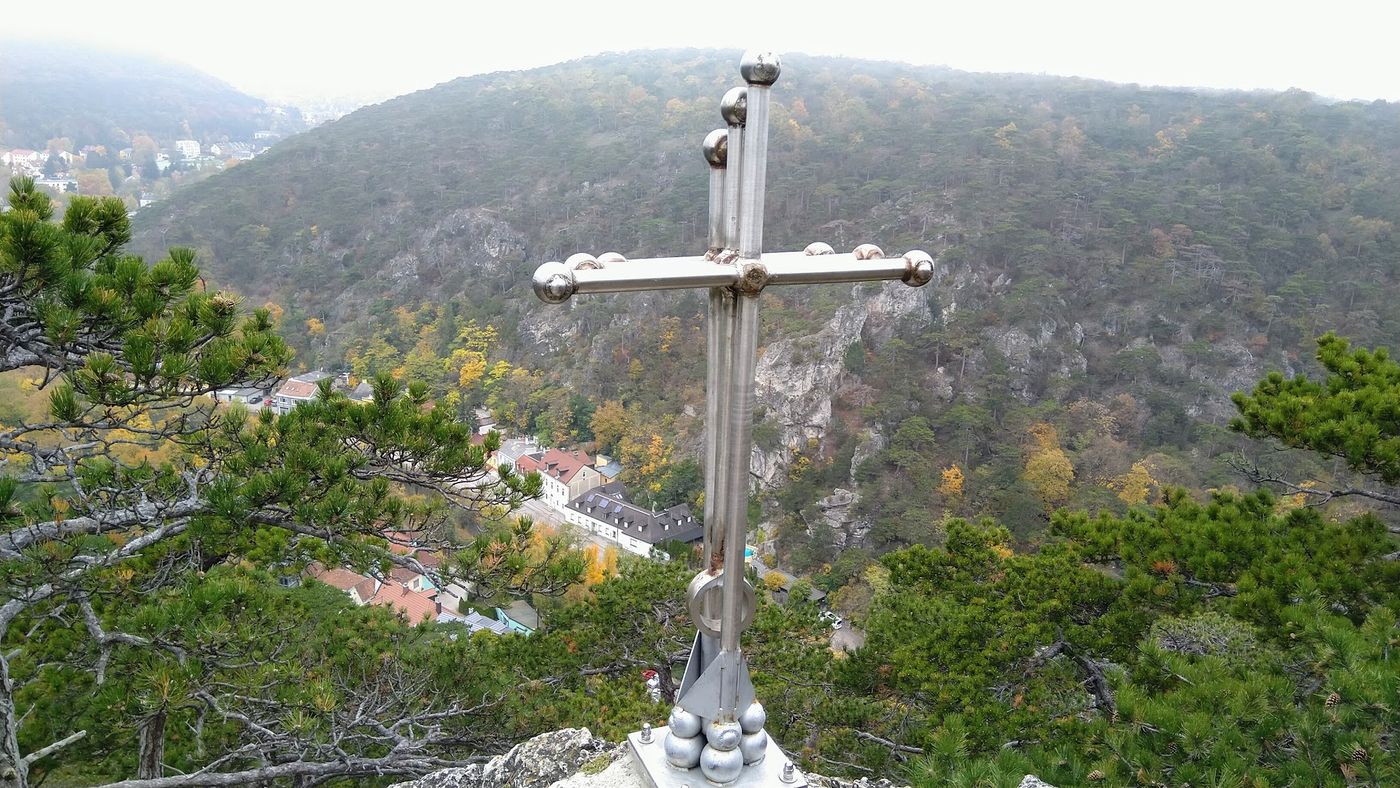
(365, 589)
(402, 574)
(337, 577)
(297, 389)
(414, 605)
(558, 463)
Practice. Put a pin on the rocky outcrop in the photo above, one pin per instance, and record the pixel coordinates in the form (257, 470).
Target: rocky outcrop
(573, 758)
(838, 514)
(1052, 349)
(462, 248)
(538, 763)
(797, 377)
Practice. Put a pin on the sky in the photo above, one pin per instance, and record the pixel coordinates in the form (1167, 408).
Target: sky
(300, 51)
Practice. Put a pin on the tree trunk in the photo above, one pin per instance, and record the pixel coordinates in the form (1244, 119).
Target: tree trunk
(14, 772)
(151, 755)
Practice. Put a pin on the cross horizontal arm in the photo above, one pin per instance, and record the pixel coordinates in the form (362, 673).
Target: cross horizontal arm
(557, 282)
(800, 268)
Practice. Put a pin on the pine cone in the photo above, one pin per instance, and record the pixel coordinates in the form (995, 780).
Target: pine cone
(1359, 754)
(1333, 700)
(1096, 775)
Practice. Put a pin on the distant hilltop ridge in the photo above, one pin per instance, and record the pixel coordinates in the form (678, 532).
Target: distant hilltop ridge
(93, 96)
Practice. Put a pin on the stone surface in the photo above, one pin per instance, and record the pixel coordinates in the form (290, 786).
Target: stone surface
(620, 773)
(541, 762)
(573, 758)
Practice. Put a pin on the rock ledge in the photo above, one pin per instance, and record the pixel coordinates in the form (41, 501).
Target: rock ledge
(574, 758)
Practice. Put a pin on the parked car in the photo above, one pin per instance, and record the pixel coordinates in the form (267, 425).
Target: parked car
(831, 617)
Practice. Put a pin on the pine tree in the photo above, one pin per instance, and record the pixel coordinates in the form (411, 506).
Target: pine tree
(138, 487)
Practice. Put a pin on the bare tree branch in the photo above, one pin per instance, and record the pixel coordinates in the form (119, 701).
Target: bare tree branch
(53, 748)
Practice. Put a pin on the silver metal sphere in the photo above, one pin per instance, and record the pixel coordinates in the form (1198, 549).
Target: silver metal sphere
(683, 723)
(760, 67)
(553, 283)
(581, 261)
(918, 268)
(868, 252)
(611, 257)
(816, 248)
(683, 752)
(721, 766)
(716, 147)
(754, 746)
(723, 735)
(753, 718)
(734, 107)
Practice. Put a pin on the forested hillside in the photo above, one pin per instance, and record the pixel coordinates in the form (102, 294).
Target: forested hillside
(1117, 261)
(92, 97)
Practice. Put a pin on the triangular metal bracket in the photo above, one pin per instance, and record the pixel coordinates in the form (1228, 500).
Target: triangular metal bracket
(701, 698)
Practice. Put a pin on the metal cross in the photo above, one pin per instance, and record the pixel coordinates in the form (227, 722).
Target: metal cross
(716, 723)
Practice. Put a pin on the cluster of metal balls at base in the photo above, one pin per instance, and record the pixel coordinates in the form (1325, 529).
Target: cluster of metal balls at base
(720, 749)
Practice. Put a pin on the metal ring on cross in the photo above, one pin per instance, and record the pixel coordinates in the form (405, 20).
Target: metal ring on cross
(704, 584)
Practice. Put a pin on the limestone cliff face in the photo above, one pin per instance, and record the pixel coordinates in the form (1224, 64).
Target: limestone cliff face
(797, 377)
(463, 249)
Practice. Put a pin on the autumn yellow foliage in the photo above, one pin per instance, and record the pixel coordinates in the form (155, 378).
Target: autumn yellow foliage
(1048, 469)
(1135, 486)
(953, 481)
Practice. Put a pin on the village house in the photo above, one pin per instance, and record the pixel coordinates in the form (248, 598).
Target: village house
(485, 422)
(23, 160)
(566, 473)
(297, 390)
(359, 588)
(519, 616)
(608, 468)
(474, 622)
(415, 606)
(362, 392)
(255, 399)
(605, 511)
(188, 149)
(511, 451)
(59, 185)
(406, 591)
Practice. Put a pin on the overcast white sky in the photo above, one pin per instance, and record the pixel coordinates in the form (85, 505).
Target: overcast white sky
(307, 49)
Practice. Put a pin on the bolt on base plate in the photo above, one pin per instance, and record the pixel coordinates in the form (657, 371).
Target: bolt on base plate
(659, 773)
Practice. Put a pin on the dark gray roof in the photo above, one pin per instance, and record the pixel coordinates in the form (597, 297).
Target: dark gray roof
(315, 376)
(522, 612)
(514, 448)
(609, 504)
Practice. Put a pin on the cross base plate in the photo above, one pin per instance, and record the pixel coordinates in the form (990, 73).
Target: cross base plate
(659, 773)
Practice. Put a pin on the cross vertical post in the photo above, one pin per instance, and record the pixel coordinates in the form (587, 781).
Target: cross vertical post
(717, 725)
